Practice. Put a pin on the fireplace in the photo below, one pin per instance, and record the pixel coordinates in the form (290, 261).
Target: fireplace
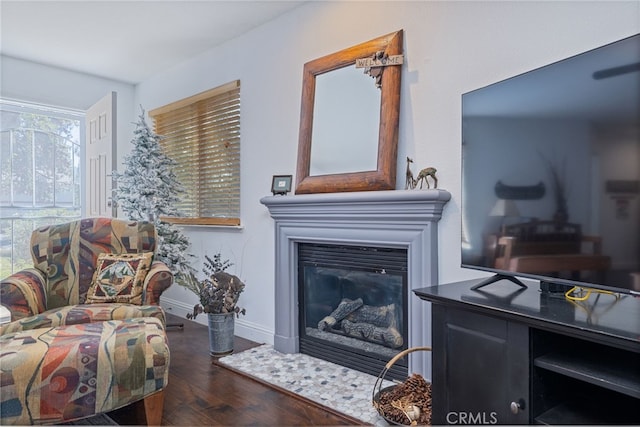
(352, 305)
(403, 219)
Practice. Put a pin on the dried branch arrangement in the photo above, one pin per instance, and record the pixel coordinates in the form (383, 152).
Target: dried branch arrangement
(218, 292)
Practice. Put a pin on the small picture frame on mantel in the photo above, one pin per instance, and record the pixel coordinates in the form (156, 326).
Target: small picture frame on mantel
(281, 184)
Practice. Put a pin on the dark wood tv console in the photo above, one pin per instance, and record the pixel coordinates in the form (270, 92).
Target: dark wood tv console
(509, 355)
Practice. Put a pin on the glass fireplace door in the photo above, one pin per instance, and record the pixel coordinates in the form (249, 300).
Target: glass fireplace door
(353, 305)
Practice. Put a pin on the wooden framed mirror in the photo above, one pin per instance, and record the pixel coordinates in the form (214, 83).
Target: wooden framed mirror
(377, 173)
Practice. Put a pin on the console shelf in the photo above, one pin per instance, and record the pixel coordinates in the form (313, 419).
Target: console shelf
(619, 377)
(586, 412)
(522, 356)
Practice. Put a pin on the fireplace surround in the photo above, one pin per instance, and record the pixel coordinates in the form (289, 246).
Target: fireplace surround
(386, 219)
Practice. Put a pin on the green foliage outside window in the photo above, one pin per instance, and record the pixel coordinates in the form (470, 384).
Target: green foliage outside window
(39, 177)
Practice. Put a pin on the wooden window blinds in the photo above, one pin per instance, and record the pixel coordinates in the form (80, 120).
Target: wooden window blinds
(202, 134)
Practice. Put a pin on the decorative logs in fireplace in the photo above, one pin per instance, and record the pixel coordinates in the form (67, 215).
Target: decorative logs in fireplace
(355, 319)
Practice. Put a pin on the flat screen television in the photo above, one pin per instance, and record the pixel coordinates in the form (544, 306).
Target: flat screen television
(551, 173)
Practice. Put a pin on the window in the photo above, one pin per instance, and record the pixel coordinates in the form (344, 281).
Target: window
(39, 175)
(202, 134)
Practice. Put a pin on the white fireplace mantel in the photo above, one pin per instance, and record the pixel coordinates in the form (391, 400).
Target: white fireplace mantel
(392, 219)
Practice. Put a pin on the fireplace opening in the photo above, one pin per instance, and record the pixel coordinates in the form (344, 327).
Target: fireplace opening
(352, 302)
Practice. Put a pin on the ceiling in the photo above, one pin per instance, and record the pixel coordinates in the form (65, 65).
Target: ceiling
(126, 40)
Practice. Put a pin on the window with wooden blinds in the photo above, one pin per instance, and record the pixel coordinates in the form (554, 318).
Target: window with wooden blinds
(202, 134)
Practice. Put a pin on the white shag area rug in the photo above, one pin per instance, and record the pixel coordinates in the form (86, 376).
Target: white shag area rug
(340, 388)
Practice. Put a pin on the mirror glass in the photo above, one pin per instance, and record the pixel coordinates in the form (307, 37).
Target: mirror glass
(346, 117)
(349, 120)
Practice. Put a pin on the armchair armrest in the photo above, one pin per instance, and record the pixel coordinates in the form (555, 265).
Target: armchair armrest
(158, 279)
(23, 293)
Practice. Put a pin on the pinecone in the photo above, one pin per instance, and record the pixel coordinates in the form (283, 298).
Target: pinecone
(416, 384)
(393, 404)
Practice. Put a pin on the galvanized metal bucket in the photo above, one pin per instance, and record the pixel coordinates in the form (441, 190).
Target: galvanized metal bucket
(221, 331)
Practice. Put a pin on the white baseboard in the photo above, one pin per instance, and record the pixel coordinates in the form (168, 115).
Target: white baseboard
(178, 308)
(244, 329)
(253, 331)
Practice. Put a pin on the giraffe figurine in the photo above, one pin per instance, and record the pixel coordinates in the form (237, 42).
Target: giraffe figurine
(424, 173)
(410, 183)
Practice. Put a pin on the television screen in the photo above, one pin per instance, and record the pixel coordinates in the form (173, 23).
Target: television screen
(551, 172)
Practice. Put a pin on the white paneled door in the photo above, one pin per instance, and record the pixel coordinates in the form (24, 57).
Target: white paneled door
(100, 156)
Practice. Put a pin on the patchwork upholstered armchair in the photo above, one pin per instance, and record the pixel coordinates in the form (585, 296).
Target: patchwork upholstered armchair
(87, 335)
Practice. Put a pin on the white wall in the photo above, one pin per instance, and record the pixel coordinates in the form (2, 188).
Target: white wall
(38, 83)
(451, 47)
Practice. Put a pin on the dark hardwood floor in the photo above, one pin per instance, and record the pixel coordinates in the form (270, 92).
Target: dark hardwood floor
(201, 392)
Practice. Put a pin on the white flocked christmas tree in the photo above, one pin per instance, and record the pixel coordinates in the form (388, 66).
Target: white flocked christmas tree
(148, 189)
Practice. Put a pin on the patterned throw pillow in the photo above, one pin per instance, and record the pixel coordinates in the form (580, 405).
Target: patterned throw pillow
(119, 278)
